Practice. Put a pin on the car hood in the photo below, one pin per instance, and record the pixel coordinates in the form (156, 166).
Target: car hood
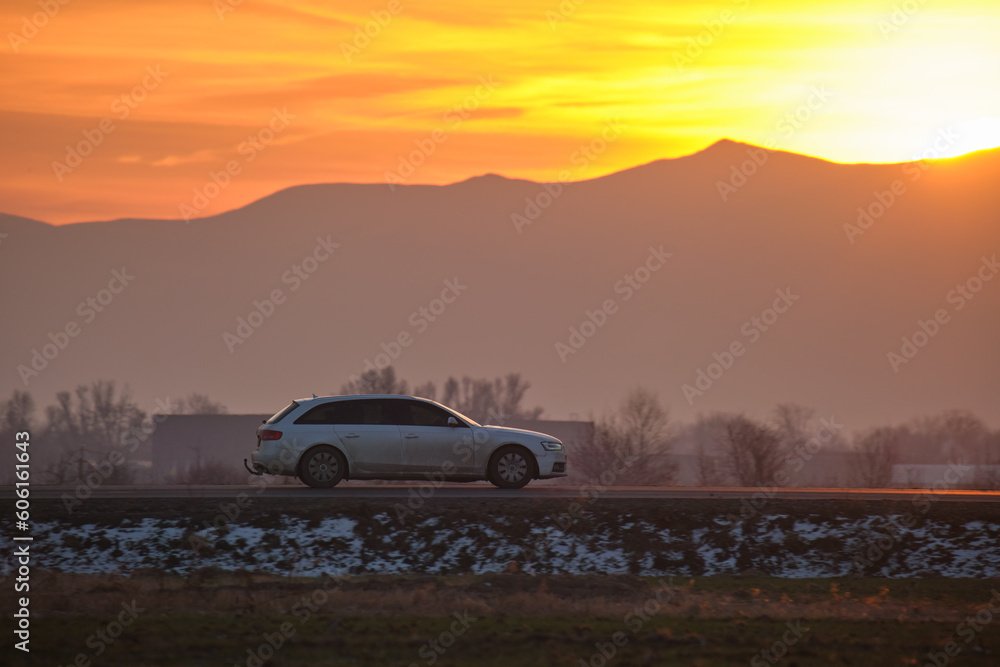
(504, 430)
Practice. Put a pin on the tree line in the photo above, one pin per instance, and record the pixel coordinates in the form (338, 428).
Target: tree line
(93, 423)
(637, 443)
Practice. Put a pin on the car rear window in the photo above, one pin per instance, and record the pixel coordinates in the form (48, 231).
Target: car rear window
(284, 413)
(361, 412)
(337, 412)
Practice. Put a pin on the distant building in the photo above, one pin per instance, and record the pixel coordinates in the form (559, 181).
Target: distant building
(182, 442)
(945, 475)
(826, 469)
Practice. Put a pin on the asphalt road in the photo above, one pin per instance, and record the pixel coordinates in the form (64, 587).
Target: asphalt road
(482, 490)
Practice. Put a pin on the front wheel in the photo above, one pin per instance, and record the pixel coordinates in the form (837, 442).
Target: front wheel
(511, 468)
(322, 467)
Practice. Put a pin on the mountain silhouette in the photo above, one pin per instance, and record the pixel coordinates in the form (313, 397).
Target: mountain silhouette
(856, 256)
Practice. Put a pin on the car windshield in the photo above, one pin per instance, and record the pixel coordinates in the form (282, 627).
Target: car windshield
(281, 415)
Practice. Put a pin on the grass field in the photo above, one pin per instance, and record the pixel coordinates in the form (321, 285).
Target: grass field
(224, 618)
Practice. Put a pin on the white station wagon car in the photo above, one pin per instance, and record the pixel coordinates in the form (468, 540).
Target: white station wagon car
(324, 440)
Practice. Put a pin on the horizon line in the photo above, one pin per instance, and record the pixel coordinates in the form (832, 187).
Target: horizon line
(723, 142)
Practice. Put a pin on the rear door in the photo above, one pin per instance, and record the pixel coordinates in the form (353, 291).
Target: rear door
(370, 438)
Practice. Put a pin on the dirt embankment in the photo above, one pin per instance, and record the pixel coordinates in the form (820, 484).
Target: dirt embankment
(311, 536)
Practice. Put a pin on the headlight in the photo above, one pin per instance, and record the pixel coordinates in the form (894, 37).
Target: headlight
(551, 445)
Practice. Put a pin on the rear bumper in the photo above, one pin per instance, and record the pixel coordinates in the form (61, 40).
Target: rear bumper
(273, 458)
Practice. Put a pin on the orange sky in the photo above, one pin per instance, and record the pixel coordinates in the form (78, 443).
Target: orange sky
(162, 95)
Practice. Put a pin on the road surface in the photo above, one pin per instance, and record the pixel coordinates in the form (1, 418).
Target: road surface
(485, 491)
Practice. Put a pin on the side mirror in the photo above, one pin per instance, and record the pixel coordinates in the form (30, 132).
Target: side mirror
(452, 421)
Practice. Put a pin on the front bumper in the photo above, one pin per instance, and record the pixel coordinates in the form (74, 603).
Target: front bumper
(553, 465)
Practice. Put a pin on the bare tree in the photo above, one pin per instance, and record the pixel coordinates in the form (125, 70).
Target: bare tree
(198, 404)
(426, 390)
(17, 414)
(600, 453)
(754, 451)
(707, 433)
(376, 382)
(792, 423)
(631, 446)
(951, 435)
(874, 455)
(93, 426)
(988, 476)
(957, 435)
(490, 401)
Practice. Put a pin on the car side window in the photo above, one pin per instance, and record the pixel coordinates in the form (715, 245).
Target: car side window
(415, 413)
(336, 412)
(373, 412)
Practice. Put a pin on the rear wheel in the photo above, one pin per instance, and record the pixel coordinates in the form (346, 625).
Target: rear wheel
(511, 467)
(322, 467)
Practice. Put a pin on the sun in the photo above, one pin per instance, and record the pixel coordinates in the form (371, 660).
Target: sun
(973, 135)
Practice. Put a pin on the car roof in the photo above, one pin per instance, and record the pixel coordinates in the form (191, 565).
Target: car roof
(325, 399)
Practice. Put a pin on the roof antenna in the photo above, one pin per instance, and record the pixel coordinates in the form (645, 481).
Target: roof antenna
(314, 394)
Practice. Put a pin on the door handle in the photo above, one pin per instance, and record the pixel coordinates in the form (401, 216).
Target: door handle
(411, 435)
(351, 435)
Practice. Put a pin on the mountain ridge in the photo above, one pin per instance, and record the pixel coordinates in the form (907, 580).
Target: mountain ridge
(539, 263)
(725, 146)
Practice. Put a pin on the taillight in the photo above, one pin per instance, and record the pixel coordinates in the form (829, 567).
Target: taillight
(270, 435)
